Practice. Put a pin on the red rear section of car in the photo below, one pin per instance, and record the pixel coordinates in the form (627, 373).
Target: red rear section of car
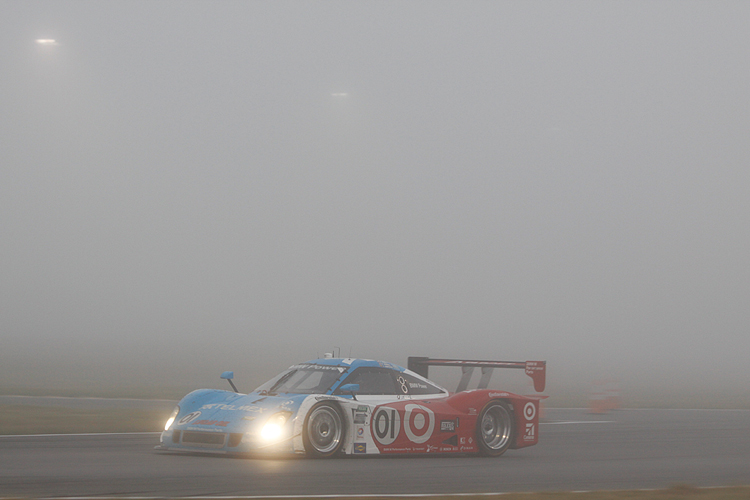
(448, 425)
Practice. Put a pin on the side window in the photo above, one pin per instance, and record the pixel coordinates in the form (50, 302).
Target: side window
(372, 381)
(409, 384)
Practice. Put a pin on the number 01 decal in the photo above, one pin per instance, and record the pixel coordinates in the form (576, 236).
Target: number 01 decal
(386, 425)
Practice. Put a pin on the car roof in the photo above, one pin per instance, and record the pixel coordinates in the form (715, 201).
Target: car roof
(354, 363)
(348, 365)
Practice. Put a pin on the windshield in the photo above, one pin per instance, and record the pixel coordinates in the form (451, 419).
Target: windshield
(303, 379)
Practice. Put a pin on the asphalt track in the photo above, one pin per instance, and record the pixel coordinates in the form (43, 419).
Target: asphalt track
(626, 449)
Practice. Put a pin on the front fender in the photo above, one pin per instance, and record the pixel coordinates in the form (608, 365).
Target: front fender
(195, 400)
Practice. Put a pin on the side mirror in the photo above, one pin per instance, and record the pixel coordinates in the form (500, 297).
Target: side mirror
(228, 376)
(352, 389)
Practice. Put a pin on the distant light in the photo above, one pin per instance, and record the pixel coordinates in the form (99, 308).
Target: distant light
(339, 94)
(47, 41)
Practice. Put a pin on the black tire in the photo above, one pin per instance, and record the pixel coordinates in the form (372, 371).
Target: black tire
(495, 428)
(323, 434)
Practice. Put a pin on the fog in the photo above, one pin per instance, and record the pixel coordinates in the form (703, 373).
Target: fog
(192, 187)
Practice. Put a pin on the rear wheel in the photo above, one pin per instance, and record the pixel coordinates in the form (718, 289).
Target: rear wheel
(495, 428)
(323, 434)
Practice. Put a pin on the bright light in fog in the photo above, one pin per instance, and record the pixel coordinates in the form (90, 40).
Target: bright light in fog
(169, 422)
(271, 431)
(274, 427)
(171, 418)
(47, 41)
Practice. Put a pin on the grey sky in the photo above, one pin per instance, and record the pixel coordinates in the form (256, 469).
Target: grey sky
(181, 193)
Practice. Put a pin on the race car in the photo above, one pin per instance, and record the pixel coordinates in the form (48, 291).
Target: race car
(345, 406)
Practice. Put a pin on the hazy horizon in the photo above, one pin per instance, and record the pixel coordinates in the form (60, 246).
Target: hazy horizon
(192, 187)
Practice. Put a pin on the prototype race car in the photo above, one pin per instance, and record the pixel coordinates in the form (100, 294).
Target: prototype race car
(335, 406)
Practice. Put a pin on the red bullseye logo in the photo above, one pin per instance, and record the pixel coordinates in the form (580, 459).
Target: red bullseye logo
(529, 411)
(419, 422)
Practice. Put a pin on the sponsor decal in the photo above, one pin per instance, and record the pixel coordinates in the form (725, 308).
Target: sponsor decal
(219, 406)
(250, 419)
(363, 408)
(529, 412)
(360, 418)
(499, 394)
(359, 433)
(529, 435)
(431, 448)
(324, 398)
(318, 367)
(447, 426)
(472, 411)
(287, 406)
(399, 450)
(534, 366)
(189, 417)
(251, 408)
(419, 422)
(417, 385)
(386, 425)
(219, 423)
(203, 429)
(360, 447)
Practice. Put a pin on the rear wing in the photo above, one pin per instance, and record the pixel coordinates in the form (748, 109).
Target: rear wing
(537, 370)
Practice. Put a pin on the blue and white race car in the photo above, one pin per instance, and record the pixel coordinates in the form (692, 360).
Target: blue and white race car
(333, 406)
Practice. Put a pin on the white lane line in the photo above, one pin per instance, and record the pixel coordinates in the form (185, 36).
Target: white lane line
(366, 495)
(683, 409)
(81, 434)
(564, 422)
(282, 497)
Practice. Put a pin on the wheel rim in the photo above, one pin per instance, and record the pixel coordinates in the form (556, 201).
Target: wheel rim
(496, 427)
(324, 429)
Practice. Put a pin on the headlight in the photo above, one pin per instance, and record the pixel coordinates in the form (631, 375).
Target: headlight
(171, 418)
(274, 427)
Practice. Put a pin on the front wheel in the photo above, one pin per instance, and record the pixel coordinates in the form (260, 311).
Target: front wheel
(495, 428)
(323, 434)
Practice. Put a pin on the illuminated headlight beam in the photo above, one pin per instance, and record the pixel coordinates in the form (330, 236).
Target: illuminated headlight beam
(171, 418)
(274, 428)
